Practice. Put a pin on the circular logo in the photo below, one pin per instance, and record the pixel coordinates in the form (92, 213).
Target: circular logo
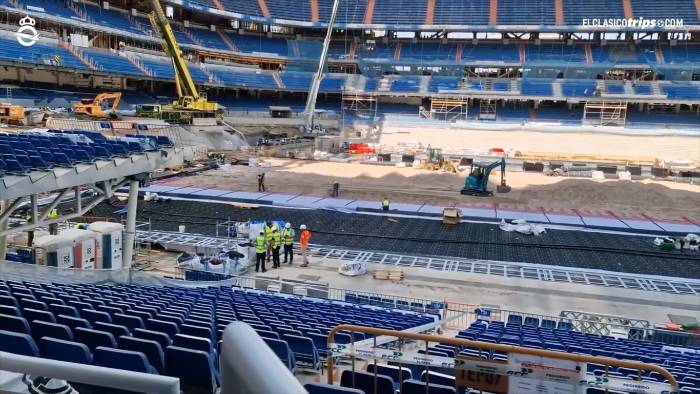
(27, 34)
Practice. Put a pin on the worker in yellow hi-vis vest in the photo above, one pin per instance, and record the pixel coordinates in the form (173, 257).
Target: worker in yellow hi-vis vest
(53, 227)
(260, 247)
(288, 238)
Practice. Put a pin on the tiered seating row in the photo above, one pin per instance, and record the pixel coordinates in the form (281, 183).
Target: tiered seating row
(24, 152)
(172, 331)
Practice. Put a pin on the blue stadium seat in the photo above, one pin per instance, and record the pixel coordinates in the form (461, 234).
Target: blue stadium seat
(150, 348)
(62, 350)
(192, 342)
(42, 329)
(396, 374)
(282, 350)
(14, 324)
(166, 327)
(122, 359)
(323, 388)
(365, 382)
(94, 338)
(72, 322)
(36, 314)
(193, 367)
(417, 387)
(304, 350)
(127, 320)
(66, 310)
(114, 329)
(94, 316)
(13, 342)
(162, 338)
(9, 310)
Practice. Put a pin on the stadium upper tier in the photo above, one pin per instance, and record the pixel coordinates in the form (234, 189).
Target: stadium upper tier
(138, 65)
(451, 14)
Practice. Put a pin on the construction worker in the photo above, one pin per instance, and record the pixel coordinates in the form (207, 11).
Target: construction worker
(53, 227)
(268, 237)
(385, 204)
(261, 182)
(304, 238)
(260, 245)
(30, 233)
(336, 188)
(288, 238)
(276, 243)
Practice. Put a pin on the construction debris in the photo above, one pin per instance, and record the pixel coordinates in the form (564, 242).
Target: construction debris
(388, 275)
(522, 226)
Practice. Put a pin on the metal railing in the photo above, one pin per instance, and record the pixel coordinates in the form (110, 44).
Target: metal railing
(249, 366)
(90, 374)
(525, 367)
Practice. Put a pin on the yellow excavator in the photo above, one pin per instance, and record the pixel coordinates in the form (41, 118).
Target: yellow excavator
(103, 105)
(190, 103)
(10, 113)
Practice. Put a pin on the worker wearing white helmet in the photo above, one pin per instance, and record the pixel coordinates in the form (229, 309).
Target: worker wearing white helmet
(304, 238)
(288, 240)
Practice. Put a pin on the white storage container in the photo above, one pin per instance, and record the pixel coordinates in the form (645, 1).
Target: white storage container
(108, 244)
(54, 251)
(84, 254)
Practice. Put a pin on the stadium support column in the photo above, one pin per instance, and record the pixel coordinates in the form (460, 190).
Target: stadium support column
(316, 82)
(130, 231)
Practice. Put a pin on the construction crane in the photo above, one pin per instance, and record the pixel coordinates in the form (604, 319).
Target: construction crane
(477, 182)
(98, 106)
(190, 102)
(310, 107)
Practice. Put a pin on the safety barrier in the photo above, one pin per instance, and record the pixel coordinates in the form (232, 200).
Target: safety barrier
(90, 374)
(518, 370)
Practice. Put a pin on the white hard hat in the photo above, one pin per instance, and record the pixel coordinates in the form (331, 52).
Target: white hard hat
(274, 227)
(288, 225)
(302, 227)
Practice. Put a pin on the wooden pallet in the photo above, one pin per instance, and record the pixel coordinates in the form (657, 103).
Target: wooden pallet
(388, 275)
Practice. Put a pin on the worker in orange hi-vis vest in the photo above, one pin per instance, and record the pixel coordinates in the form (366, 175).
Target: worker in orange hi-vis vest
(304, 238)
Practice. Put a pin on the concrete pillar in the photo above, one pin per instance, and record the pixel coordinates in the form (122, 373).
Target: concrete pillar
(130, 230)
(678, 108)
(640, 107)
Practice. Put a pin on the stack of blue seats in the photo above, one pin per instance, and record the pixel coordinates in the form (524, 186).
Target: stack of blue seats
(170, 330)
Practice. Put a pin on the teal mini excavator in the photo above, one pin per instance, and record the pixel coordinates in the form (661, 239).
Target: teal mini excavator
(477, 182)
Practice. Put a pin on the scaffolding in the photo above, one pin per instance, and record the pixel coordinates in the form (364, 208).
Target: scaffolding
(359, 105)
(605, 113)
(487, 109)
(448, 109)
